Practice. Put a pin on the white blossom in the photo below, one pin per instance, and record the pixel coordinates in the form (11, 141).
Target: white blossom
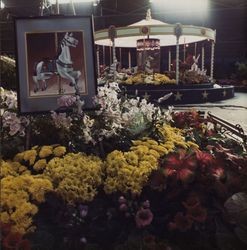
(61, 120)
(15, 124)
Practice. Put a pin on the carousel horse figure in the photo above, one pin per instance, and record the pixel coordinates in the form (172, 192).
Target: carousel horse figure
(194, 66)
(63, 66)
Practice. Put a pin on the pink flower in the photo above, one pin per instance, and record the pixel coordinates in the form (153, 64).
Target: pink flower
(143, 217)
(123, 207)
(66, 101)
(122, 200)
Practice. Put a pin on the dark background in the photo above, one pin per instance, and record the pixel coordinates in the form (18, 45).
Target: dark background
(228, 17)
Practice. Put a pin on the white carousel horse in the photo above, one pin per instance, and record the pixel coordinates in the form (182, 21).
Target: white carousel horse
(194, 66)
(63, 66)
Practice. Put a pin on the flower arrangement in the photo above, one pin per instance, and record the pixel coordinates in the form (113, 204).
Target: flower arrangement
(129, 175)
(20, 195)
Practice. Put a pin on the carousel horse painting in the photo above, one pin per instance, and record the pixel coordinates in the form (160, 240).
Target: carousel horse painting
(62, 66)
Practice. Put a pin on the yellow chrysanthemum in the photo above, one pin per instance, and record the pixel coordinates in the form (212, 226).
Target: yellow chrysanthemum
(6, 169)
(4, 217)
(75, 176)
(45, 151)
(19, 157)
(40, 165)
(131, 158)
(17, 195)
(59, 151)
(30, 155)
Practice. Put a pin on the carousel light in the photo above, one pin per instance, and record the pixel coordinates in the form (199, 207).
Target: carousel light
(2, 5)
(69, 1)
(189, 5)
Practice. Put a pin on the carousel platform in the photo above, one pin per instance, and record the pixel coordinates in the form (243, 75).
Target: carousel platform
(181, 94)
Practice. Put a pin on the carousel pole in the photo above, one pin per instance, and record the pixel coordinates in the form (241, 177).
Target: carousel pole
(114, 59)
(203, 57)
(129, 59)
(120, 56)
(73, 7)
(169, 60)
(112, 33)
(178, 33)
(177, 60)
(57, 7)
(98, 63)
(110, 49)
(42, 7)
(104, 55)
(212, 62)
(184, 50)
(60, 90)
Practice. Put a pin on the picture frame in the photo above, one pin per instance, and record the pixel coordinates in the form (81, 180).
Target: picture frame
(55, 57)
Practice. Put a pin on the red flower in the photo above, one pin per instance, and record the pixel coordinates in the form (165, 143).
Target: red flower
(204, 159)
(5, 228)
(182, 222)
(12, 240)
(197, 213)
(181, 165)
(24, 245)
(218, 173)
(143, 217)
(191, 202)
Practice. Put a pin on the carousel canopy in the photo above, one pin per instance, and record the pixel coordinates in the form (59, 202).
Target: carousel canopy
(127, 37)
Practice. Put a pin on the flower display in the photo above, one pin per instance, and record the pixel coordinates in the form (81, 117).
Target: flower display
(75, 176)
(19, 198)
(128, 175)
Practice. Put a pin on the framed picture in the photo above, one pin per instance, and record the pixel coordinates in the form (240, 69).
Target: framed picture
(55, 57)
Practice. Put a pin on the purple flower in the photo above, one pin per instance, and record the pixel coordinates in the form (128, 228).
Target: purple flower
(143, 217)
(146, 204)
(122, 200)
(83, 210)
(123, 207)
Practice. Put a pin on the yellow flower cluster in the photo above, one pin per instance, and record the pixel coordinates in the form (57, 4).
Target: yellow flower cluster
(36, 157)
(76, 177)
(129, 171)
(173, 137)
(17, 196)
(12, 168)
(156, 79)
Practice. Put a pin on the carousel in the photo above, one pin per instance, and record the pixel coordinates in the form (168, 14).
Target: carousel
(188, 76)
